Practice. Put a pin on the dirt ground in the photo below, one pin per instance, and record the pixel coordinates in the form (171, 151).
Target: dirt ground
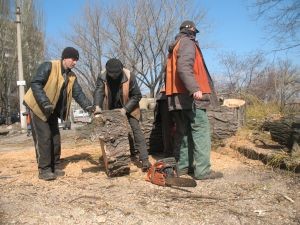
(249, 192)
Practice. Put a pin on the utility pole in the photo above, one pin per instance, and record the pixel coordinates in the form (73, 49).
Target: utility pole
(21, 82)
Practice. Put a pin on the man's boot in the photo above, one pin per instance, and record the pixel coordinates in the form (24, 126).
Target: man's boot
(59, 172)
(46, 175)
(210, 175)
(145, 165)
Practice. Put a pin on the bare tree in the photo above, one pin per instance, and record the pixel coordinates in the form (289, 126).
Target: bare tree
(87, 36)
(140, 36)
(32, 42)
(137, 32)
(32, 37)
(287, 83)
(282, 21)
(7, 57)
(277, 82)
(240, 71)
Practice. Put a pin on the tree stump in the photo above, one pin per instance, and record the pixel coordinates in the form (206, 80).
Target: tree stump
(225, 121)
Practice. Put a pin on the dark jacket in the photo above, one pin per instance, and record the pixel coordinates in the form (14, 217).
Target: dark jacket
(41, 78)
(185, 70)
(134, 93)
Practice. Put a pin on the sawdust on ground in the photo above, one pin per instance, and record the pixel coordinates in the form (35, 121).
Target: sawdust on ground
(249, 192)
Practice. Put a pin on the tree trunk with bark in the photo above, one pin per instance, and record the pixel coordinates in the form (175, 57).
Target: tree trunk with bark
(286, 132)
(112, 130)
(225, 121)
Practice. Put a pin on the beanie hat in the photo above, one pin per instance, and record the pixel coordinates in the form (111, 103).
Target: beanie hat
(114, 67)
(70, 52)
(188, 24)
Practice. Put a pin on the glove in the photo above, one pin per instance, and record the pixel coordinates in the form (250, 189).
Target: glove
(48, 110)
(90, 109)
(98, 110)
(123, 111)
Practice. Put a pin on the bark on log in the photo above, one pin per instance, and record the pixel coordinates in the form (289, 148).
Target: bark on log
(112, 130)
(285, 131)
(152, 131)
(225, 121)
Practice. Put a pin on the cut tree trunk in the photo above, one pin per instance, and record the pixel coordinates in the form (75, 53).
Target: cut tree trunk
(285, 131)
(112, 129)
(224, 121)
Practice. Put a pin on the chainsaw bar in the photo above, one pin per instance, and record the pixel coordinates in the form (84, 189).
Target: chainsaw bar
(180, 182)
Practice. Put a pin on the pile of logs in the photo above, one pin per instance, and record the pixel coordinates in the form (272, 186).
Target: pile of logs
(114, 133)
(224, 123)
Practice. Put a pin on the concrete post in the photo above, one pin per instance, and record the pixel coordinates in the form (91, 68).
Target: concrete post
(21, 82)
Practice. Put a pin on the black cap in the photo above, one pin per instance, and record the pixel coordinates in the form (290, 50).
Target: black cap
(188, 24)
(70, 52)
(114, 67)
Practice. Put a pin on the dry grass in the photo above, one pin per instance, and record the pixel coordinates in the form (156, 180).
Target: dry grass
(278, 159)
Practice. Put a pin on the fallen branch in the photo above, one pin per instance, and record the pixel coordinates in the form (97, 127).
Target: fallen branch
(85, 196)
(288, 198)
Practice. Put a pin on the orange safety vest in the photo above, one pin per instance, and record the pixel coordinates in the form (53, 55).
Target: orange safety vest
(174, 85)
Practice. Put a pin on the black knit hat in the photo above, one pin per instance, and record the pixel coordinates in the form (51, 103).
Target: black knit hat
(114, 67)
(70, 52)
(188, 24)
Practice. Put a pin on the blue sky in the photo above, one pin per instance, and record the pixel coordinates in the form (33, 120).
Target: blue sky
(232, 28)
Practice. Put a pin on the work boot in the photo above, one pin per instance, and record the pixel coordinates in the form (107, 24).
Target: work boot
(210, 175)
(46, 175)
(145, 165)
(59, 172)
(186, 171)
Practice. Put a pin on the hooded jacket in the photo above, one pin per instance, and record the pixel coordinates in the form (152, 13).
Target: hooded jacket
(128, 93)
(186, 54)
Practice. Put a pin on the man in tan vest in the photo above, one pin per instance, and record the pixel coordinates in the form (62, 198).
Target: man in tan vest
(116, 88)
(49, 98)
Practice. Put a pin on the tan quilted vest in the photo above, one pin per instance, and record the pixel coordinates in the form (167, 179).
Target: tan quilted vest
(52, 90)
(136, 113)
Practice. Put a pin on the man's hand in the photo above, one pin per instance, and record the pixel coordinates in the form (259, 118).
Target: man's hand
(90, 109)
(197, 95)
(123, 111)
(98, 110)
(48, 110)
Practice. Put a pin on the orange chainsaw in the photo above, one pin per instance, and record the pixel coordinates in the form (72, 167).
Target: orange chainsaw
(164, 173)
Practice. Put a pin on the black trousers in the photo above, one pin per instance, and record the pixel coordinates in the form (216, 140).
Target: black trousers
(166, 126)
(139, 138)
(46, 137)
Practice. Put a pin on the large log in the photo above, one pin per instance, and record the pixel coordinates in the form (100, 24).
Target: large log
(224, 122)
(112, 130)
(152, 131)
(285, 131)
